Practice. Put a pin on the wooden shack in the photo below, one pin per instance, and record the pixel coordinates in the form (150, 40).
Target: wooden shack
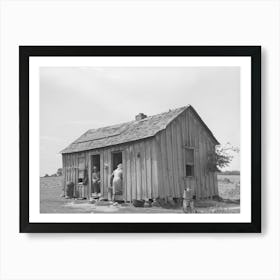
(160, 154)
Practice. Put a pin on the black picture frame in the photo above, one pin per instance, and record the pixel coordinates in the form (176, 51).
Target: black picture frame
(25, 52)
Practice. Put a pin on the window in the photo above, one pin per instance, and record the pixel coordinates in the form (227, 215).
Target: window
(81, 169)
(189, 162)
(189, 170)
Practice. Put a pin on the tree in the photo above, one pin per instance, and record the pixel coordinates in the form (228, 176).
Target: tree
(59, 172)
(46, 175)
(222, 157)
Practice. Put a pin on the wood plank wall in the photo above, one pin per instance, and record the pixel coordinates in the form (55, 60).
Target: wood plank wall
(140, 166)
(70, 167)
(140, 170)
(186, 130)
(155, 167)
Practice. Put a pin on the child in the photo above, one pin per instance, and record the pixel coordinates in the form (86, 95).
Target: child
(188, 204)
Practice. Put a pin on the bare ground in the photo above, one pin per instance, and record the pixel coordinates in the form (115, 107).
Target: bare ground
(52, 202)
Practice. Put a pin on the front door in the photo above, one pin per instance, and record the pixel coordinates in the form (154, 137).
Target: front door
(94, 184)
(116, 160)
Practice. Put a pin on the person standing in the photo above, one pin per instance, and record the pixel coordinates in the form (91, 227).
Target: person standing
(117, 181)
(95, 177)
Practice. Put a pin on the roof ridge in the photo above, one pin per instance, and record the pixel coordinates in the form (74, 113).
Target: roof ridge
(124, 132)
(133, 121)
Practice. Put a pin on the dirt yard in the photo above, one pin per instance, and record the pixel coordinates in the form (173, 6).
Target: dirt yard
(52, 202)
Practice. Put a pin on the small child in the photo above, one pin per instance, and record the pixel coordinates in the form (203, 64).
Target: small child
(188, 204)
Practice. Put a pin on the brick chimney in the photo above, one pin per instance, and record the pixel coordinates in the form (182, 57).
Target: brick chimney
(140, 116)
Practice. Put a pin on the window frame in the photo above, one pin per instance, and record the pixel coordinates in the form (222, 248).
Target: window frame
(189, 163)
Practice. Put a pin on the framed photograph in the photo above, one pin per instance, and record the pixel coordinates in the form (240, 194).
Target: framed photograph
(140, 138)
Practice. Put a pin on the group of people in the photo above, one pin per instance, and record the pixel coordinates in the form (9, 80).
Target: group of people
(116, 182)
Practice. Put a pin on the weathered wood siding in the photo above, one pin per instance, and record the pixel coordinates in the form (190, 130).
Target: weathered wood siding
(140, 168)
(185, 131)
(155, 167)
(70, 164)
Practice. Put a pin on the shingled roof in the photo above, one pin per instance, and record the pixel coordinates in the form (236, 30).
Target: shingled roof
(126, 132)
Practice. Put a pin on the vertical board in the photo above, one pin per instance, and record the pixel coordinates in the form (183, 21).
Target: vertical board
(200, 151)
(203, 191)
(216, 184)
(149, 169)
(207, 173)
(124, 174)
(185, 134)
(64, 174)
(201, 159)
(76, 167)
(154, 170)
(132, 182)
(159, 166)
(175, 159)
(191, 125)
(143, 171)
(102, 174)
(86, 168)
(180, 156)
(188, 128)
(66, 168)
(109, 169)
(133, 173)
(204, 168)
(196, 157)
(71, 168)
(138, 170)
(164, 166)
(106, 169)
(184, 139)
(170, 162)
(192, 144)
(211, 186)
(89, 175)
(128, 174)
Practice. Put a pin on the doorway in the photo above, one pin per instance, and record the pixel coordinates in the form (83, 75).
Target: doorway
(95, 161)
(116, 159)
(95, 182)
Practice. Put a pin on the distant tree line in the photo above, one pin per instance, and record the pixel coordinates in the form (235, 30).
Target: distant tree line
(57, 174)
(232, 172)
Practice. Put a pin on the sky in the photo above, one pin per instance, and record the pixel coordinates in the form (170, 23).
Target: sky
(75, 99)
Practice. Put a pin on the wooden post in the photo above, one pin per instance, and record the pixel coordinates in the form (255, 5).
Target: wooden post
(89, 177)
